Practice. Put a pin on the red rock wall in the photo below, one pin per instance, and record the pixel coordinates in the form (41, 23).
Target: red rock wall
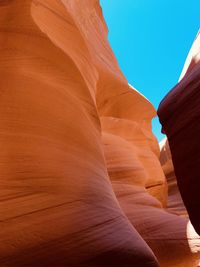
(81, 182)
(179, 115)
(175, 203)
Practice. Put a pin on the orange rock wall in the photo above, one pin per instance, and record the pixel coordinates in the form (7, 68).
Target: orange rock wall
(81, 182)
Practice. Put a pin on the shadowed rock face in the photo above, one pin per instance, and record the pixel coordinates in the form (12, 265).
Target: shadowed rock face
(81, 182)
(179, 115)
(174, 203)
(127, 152)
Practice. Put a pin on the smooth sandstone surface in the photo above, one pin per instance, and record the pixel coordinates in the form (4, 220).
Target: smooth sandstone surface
(193, 57)
(138, 133)
(81, 182)
(57, 204)
(179, 115)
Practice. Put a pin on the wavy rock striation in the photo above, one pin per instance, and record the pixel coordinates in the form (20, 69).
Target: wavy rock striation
(81, 182)
(57, 204)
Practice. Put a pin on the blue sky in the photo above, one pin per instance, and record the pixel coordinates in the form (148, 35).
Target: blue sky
(151, 39)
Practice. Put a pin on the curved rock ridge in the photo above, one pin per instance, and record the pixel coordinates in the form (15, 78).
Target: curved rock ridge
(193, 57)
(179, 116)
(81, 182)
(139, 135)
(57, 204)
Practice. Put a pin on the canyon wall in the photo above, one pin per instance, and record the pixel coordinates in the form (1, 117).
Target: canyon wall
(179, 115)
(175, 203)
(81, 181)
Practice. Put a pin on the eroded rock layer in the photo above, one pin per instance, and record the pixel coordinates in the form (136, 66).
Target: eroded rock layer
(81, 182)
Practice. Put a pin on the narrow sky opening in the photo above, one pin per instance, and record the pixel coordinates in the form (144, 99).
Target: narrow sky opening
(151, 39)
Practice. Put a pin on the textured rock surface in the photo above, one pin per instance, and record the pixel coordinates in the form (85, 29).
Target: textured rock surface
(179, 114)
(68, 118)
(174, 202)
(130, 157)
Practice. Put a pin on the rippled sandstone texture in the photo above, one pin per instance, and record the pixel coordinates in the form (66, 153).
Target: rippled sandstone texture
(179, 115)
(81, 182)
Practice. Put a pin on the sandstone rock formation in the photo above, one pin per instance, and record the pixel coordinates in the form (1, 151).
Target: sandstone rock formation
(179, 115)
(132, 155)
(175, 203)
(57, 204)
(81, 182)
(193, 57)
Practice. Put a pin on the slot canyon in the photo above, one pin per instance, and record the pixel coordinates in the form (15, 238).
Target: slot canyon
(84, 181)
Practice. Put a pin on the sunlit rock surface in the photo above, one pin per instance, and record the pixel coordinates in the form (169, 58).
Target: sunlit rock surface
(179, 114)
(81, 182)
(193, 57)
(57, 204)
